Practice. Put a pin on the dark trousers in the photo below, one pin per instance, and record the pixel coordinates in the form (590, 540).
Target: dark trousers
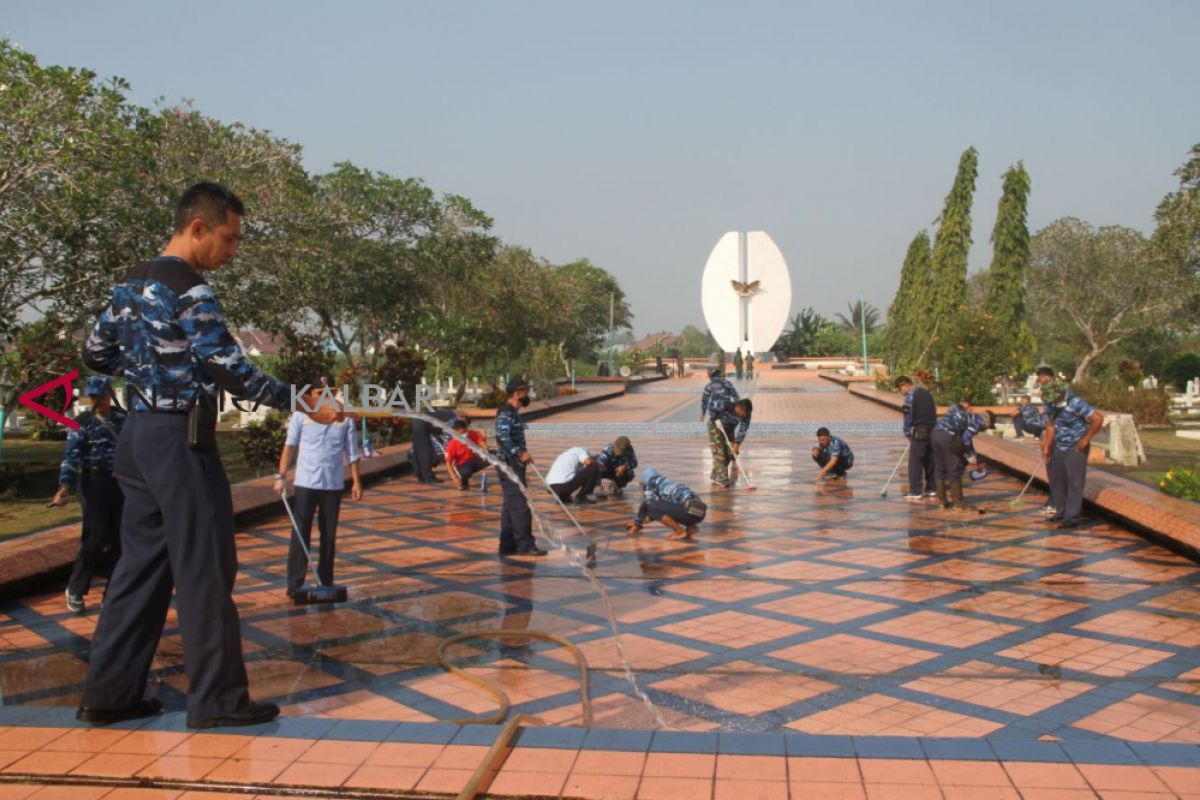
(657, 509)
(839, 471)
(1068, 473)
(176, 533)
(1022, 428)
(100, 546)
(422, 449)
(326, 505)
(621, 480)
(516, 519)
(920, 466)
(468, 468)
(584, 482)
(948, 460)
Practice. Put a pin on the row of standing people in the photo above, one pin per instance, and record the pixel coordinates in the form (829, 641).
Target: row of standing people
(940, 448)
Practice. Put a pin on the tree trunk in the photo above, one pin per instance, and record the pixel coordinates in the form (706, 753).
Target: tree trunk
(562, 355)
(462, 386)
(1081, 371)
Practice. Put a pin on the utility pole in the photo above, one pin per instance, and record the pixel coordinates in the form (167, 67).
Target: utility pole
(862, 315)
(612, 297)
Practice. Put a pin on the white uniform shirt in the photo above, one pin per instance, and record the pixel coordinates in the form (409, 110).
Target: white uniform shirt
(566, 465)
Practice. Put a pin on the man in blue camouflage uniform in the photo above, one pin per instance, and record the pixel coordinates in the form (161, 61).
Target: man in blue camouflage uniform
(164, 333)
(1028, 419)
(516, 518)
(832, 455)
(920, 415)
(669, 502)
(88, 459)
(1070, 425)
(716, 405)
(952, 444)
(617, 463)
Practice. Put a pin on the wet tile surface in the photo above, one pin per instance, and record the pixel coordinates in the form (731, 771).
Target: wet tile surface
(814, 608)
(886, 648)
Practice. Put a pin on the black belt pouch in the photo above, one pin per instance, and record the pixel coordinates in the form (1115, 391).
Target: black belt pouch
(202, 424)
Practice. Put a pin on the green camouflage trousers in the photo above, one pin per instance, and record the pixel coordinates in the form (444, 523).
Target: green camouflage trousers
(721, 454)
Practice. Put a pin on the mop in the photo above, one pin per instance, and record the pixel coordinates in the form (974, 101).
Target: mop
(312, 595)
(1028, 483)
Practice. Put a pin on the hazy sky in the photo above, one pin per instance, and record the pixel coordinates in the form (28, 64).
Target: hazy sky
(636, 133)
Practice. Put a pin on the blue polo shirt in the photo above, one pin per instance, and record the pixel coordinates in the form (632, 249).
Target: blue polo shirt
(323, 449)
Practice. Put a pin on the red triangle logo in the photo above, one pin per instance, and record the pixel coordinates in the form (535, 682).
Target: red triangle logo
(65, 381)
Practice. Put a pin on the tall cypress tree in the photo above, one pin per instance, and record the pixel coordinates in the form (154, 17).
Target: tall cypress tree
(908, 310)
(1005, 304)
(953, 243)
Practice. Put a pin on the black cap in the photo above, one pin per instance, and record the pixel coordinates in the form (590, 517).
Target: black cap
(714, 373)
(516, 385)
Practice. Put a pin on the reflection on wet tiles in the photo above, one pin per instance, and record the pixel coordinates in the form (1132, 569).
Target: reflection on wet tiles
(798, 608)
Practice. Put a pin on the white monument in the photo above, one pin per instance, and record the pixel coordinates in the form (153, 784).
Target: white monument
(746, 292)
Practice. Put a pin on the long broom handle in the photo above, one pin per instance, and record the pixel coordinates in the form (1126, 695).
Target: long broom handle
(1029, 482)
(896, 468)
(736, 460)
(299, 538)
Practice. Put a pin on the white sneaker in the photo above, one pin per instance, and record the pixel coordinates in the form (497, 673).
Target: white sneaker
(74, 602)
(911, 498)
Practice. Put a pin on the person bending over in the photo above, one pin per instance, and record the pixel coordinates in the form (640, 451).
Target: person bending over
(574, 473)
(617, 464)
(462, 461)
(953, 438)
(671, 503)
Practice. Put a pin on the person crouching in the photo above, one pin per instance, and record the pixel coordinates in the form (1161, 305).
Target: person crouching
(671, 503)
(462, 460)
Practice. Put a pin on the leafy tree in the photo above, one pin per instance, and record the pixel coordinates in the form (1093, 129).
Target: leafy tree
(1095, 288)
(853, 324)
(303, 359)
(1005, 299)
(973, 357)
(951, 247)
(695, 343)
(584, 295)
(906, 317)
(61, 132)
(1177, 237)
(43, 352)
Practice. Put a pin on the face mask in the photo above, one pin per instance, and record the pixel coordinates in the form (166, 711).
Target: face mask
(524, 401)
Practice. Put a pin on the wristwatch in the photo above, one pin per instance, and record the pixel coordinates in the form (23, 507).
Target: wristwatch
(279, 476)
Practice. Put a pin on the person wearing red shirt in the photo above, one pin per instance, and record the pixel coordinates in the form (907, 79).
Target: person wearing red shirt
(462, 460)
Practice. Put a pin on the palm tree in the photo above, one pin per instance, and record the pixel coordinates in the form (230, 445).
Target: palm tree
(853, 323)
(806, 326)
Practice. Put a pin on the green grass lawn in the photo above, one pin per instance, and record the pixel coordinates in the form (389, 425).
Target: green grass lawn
(24, 511)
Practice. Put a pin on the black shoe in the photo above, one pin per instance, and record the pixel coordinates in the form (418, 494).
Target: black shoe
(253, 714)
(585, 500)
(1074, 522)
(507, 551)
(107, 716)
(1054, 518)
(531, 551)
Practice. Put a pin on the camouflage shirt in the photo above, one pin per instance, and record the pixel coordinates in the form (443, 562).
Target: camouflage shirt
(837, 448)
(664, 490)
(718, 395)
(510, 433)
(735, 427)
(957, 421)
(164, 333)
(1071, 418)
(609, 460)
(92, 447)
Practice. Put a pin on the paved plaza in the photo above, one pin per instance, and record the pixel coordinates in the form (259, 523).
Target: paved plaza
(821, 611)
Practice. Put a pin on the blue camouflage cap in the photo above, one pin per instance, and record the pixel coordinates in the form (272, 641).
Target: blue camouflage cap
(98, 386)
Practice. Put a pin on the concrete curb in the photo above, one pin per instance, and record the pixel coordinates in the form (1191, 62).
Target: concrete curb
(30, 562)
